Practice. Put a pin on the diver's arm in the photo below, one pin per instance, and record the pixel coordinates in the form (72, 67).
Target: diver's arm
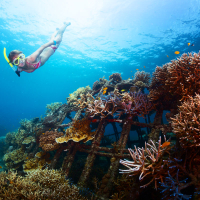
(33, 56)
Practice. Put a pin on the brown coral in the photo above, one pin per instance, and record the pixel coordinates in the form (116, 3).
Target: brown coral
(47, 140)
(115, 78)
(40, 184)
(186, 124)
(176, 81)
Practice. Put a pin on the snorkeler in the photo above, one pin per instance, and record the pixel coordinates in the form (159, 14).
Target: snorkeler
(39, 57)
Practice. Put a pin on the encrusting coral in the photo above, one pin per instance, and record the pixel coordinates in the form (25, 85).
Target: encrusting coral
(79, 131)
(40, 184)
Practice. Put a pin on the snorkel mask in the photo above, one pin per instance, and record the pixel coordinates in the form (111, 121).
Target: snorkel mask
(20, 59)
(11, 65)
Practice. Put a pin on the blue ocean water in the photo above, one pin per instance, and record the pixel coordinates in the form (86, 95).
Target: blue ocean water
(105, 36)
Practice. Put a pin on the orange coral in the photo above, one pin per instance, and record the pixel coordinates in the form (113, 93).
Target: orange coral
(80, 130)
(47, 140)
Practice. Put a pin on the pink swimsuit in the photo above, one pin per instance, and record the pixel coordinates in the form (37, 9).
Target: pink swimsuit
(36, 65)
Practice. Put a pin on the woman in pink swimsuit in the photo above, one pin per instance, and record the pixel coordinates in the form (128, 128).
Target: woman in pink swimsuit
(40, 56)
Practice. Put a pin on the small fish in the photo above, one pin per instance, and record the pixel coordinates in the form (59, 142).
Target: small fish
(49, 129)
(137, 69)
(165, 144)
(70, 95)
(188, 44)
(176, 52)
(167, 56)
(0, 167)
(11, 182)
(104, 92)
(42, 133)
(144, 67)
(132, 76)
(128, 78)
(131, 71)
(26, 158)
(123, 90)
(192, 45)
(105, 88)
(95, 120)
(104, 77)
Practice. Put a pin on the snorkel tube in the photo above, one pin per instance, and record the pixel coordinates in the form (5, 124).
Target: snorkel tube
(11, 65)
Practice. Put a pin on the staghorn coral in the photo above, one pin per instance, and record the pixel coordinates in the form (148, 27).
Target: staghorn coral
(40, 184)
(51, 108)
(176, 81)
(79, 131)
(47, 140)
(147, 162)
(76, 94)
(186, 124)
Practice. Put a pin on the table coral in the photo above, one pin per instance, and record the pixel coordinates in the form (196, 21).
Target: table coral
(47, 140)
(79, 131)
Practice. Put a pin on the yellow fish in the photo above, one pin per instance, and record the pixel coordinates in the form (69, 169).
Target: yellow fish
(131, 71)
(105, 88)
(0, 167)
(128, 78)
(104, 92)
(188, 44)
(104, 77)
(42, 133)
(144, 67)
(167, 56)
(137, 69)
(176, 52)
(123, 90)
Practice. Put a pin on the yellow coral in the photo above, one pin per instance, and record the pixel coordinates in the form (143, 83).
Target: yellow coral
(79, 131)
(28, 140)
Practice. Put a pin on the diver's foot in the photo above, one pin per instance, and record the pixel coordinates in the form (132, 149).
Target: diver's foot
(67, 23)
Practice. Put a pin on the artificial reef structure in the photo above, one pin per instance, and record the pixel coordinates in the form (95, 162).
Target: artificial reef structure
(164, 160)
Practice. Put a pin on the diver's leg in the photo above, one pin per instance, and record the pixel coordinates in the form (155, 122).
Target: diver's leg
(57, 36)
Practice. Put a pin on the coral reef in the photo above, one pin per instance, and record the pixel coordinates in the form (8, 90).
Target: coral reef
(47, 140)
(76, 94)
(115, 78)
(51, 108)
(186, 124)
(40, 184)
(79, 131)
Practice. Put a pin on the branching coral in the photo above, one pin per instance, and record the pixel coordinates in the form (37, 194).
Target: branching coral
(15, 157)
(76, 94)
(186, 124)
(47, 140)
(142, 76)
(79, 131)
(147, 162)
(176, 81)
(115, 78)
(38, 162)
(51, 108)
(126, 103)
(40, 184)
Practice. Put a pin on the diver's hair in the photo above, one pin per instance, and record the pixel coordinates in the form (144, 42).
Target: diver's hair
(12, 54)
